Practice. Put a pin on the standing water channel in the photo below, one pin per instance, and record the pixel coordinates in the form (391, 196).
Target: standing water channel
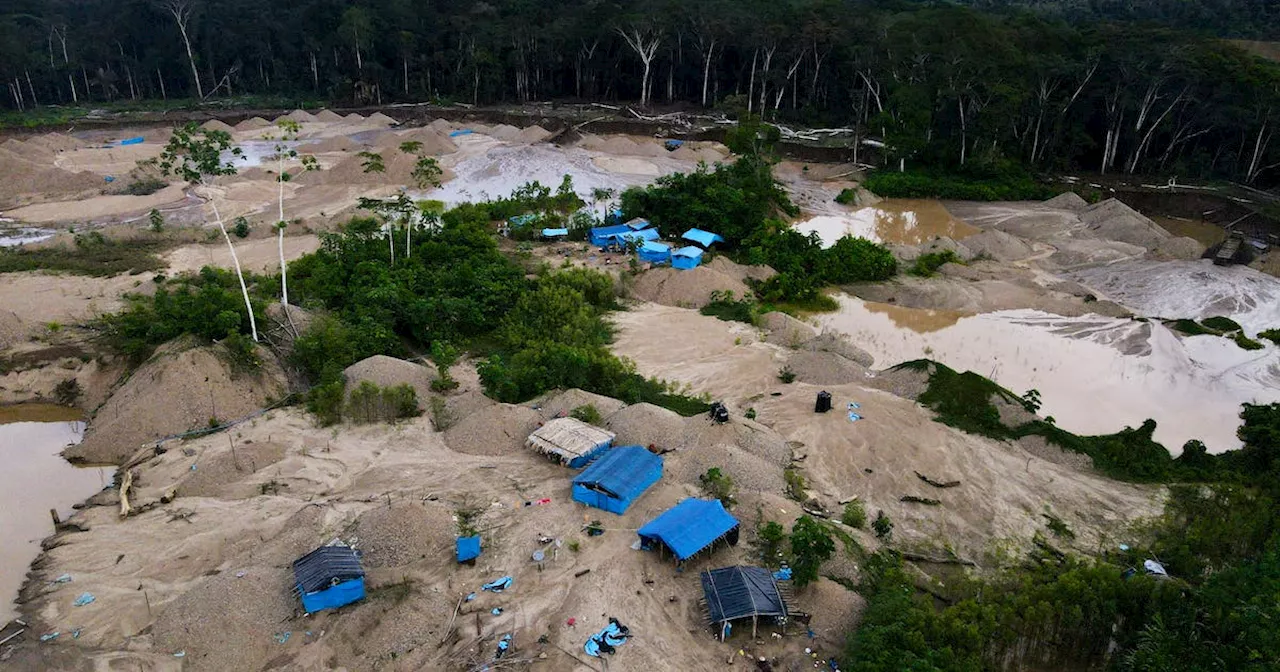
(36, 479)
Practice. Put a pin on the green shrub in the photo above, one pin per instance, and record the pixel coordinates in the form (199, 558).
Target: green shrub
(718, 485)
(882, 526)
(1222, 324)
(67, 392)
(145, 186)
(795, 484)
(854, 515)
(927, 264)
(157, 220)
(93, 255)
(847, 197)
(1005, 187)
(370, 403)
(240, 227)
(441, 417)
(587, 413)
(811, 545)
(770, 538)
(1272, 335)
(1246, 342)
(786, 375)
(724, 307)
(325, 402)
(1191, 328)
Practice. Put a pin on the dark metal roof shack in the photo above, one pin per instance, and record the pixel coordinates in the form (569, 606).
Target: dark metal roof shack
(326, 566)
(738, 592)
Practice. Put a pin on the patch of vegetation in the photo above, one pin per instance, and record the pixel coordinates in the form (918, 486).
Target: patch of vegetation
(587, 413)
(718, 485)
(811, 545)
(770, 538)
(854, 515)
(1191, 328)
(240, 227)
(1057, 526)
(441, 417)
(882, 526)
(1010, 185)
(1221, 324)
(786, 375)
(67, 392)
(795, 484)
(371, 403)
(92, 254)
(1245, 342)
(1272, 335)
(927, 264)
(445, 356)
(156, 219)
(725, 307)
(145, 186)
(847, 197)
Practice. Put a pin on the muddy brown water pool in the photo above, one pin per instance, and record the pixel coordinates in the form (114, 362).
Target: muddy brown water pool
(900, 221)
(34, 480)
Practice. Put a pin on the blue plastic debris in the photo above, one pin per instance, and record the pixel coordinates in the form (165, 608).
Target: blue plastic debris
(498, 585)
(470, 597)
(503, 645)
(109, 178)
(461, 131)
(783, 574)
(854, 417)
(613, 635)
(49, 637)
(181, 654)
(497, 611)
(75, 634)
(85, 598)
(854, 404)
(137, 140)
(65, 578)
(282, 637)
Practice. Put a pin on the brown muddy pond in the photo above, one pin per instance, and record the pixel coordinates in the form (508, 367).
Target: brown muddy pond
(1203, 232)
(35, 479)
(900, 221)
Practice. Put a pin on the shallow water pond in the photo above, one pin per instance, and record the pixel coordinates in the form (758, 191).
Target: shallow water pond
(34, 480)
(901, 221)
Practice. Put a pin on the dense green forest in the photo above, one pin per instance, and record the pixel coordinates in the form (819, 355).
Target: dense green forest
(1013, 84)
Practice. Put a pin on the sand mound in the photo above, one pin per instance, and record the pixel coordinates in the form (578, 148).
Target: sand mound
(838, 343)
(225, 622)
(402, 534)
(686, 289)
(749, 472)
(500, 429)
(786, 330)
(647, 425)
(219, 474)
(441, 125)
(328, 115)
(300, 116)
(533, 134)
(57, 142)
(340, 143)
(562, 403)
(252, 124)
(1114, 220)
(216, 125)
(176, 391)
(824, 368)
(1182, 248)
(434, 142)
(505, 132)
(350, 170)
(740, 271)
(355, 117)
(617, 145)
(26, 178)
(380, 118)
(1068, 201)
(998, 245)
(385, 371)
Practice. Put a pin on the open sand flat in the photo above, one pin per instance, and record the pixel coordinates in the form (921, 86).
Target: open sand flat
(98, 207)
(32, 300)
(116, 160)
(260, 255)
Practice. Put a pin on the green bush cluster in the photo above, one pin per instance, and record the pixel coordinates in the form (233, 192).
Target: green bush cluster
(145, 186)
(91, 254)
(725, 307)
(1010, 186)
(718, 485)
(371, 403)
(927, 264)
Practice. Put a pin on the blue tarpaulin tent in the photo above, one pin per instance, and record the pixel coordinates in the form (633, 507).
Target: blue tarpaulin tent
(703, 238)
(655, 253)
(555, 233)
(329, 577)
(689, 527)
(638, 236)
(522, 220)
(686, 258)
(603, 235)
(468, 548)
(617, 478)
(638, 224)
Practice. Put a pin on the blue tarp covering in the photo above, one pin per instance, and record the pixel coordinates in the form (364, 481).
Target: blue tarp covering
(137, 140)
(617, 478)
(655, 253)
(468, 548)
(521, 220)
(463, 131)
(638, 224)
(603, 235)
(555, 233)
(686, 258)
(673, 145)
(613, 635)
(689, 527)
(638, 236)
(329, 577)
(703, 238)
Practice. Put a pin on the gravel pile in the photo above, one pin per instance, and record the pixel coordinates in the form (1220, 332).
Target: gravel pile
(786, 330)
(1011, 414)
(645, 424)
(998, 245)
(354, 117)
(1114, 220)
(749, 472)
(434, 142)
(252, 124)
(299, 535)
(1036, 445)
(385, 371)
(216, 125)
(824, 368)
(380, 118)
(685, 289)
(564, 402)
(215, 471)
(533, 134)
(905, 383)
(441, 125)
(1068, 201)
(402, 534)
(838, 343)
(231, 617)
(23, 176)
(500, 429)
(327, 115)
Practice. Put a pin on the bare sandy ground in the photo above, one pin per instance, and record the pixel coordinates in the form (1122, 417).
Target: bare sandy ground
(31, 301)
(261, 255)
(98, 207)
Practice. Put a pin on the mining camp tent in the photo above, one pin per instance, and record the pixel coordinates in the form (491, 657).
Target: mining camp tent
(570, 441)
(617, 478)
(555, 233)
(603, 235)
(689, 527)
(638, 224)
(686, 258)
(639, 237)
(703, 238)
(655, 252)
(328, 577)
(733, 593)
(520, 221)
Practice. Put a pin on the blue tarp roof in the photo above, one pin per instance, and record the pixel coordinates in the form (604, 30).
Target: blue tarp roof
(639, 223)
(318, 569)
(521, 220)
(703, 238)
(646, 234)
(552, 233)
(690, 526)
(690, 251)
(655, 247)
(622, 472)
(606, 231)
(740, 592)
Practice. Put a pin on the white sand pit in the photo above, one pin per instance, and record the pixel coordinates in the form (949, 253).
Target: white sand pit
(327, 116)
(500, 429)
(217, 125)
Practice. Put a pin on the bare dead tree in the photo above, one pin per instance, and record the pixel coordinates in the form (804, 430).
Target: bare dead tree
(181, 11)
(645, 42)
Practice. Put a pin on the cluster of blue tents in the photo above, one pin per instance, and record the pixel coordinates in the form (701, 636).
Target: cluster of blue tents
(648, 246)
